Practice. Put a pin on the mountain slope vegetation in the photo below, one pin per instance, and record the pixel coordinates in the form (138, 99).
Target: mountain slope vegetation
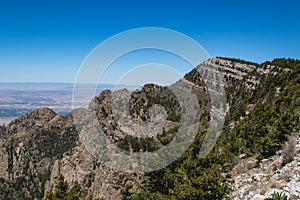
(274, 115)
(42, 156)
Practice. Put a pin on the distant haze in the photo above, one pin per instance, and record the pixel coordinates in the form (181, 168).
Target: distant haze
(17, 99)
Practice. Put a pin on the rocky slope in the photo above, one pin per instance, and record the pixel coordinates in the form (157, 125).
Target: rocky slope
(40, 146)
(259, 180)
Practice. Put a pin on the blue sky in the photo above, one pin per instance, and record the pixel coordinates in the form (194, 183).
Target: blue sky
(46, 41)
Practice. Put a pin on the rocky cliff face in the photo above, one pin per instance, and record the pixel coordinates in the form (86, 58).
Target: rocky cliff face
(29, 147)
(96, 180)
(40, 146)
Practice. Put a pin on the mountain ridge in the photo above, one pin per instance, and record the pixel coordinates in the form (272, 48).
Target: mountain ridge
(31, 171)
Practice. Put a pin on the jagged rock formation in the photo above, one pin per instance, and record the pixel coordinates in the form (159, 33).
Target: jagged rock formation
(2, 131)
(97, 180)
(101, 104)
(40, 146)
(29, 148)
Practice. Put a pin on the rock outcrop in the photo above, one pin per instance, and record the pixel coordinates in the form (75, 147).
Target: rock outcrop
(29, 147)
(258, 181)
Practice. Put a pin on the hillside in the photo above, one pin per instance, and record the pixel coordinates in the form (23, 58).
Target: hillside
(42, 154)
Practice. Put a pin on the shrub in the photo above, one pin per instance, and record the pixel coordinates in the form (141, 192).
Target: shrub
(278, 196)
(289, 150)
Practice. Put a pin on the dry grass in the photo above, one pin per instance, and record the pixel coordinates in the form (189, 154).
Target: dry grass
(263, 189)
(276, 185)
(243, 166)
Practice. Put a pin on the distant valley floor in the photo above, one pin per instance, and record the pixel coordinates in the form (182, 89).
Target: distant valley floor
(17, 99)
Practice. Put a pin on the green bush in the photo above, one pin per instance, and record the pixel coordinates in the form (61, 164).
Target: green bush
(62, 191)
(278, 196)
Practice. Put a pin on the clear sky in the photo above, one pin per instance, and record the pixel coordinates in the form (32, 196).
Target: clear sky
(46, 41)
